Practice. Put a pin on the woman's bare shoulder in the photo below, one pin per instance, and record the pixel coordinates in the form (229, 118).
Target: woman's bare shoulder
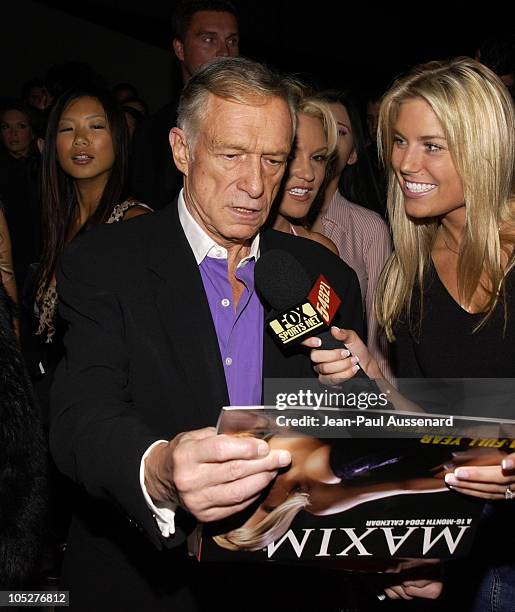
(136, 211)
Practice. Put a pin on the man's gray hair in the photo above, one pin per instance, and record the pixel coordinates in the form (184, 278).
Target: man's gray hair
(231, 78)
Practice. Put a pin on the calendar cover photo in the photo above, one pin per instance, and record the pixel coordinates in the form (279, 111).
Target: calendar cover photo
(365, 485)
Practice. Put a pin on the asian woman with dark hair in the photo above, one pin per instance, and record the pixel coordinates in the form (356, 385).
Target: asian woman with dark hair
(84, 182)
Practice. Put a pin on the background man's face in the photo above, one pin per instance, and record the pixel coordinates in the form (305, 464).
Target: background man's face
(211, 34)
(239, 159)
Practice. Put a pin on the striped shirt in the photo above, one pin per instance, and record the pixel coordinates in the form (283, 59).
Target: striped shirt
(363, 241)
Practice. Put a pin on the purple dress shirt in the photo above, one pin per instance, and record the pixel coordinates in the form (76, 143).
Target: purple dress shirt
(239, 332)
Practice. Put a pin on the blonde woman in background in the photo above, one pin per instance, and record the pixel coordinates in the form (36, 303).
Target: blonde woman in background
(315, 144)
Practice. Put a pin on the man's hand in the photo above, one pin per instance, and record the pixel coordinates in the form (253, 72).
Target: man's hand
(412, 589)
(415, 578)
(211, 476)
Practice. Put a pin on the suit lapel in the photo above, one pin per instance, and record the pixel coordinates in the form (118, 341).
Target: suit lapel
(185, 316)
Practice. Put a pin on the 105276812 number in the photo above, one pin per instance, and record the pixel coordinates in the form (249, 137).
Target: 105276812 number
(34, 598)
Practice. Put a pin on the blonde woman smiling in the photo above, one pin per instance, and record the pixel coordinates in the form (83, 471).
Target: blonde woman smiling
(447, 294)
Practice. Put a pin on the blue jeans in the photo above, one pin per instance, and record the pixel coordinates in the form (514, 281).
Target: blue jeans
(496, 592)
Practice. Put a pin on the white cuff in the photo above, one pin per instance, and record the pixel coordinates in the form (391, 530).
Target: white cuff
(163, 512)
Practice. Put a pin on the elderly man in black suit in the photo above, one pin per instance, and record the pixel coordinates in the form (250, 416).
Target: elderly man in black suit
(164, 328)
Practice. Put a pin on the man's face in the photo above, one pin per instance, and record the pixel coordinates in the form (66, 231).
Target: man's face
(210, 34)
(233, 173)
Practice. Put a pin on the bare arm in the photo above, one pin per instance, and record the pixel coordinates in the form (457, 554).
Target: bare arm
(136, 211)
(333, 499)
(6, 264)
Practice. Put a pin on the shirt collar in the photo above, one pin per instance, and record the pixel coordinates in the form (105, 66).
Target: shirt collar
(203, 245)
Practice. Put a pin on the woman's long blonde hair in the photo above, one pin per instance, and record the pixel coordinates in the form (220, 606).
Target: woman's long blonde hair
(271, 528)
(476, 113)
(319, 109)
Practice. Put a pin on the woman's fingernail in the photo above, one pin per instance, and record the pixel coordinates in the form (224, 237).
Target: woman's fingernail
(317, 342)
(335, 328)
(450, 479)
(508, 464)
(354, 359)
(345, 353)
(354, 369)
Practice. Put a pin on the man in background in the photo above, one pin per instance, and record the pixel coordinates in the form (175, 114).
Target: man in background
(202, 31)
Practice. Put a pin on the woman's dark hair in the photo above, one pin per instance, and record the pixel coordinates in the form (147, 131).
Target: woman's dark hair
(62, 78)
(125, 87)
(137, 115)
(14, 104)
(127, 102)
(58, 195)
(359, 182)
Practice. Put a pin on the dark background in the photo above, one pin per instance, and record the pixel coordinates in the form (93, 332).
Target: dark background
(329, 43)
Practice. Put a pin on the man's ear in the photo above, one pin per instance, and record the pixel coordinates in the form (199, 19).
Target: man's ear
(353, 158)
(180, 150)
(178, 49)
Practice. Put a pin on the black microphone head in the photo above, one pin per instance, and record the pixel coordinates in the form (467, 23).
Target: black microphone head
(281, 279)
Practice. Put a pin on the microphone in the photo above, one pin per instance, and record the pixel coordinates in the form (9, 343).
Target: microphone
(300, 309)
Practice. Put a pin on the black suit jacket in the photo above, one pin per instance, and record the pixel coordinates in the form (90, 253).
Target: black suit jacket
(142, 363)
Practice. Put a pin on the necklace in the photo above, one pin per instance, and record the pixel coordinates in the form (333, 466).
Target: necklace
(447, 245)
